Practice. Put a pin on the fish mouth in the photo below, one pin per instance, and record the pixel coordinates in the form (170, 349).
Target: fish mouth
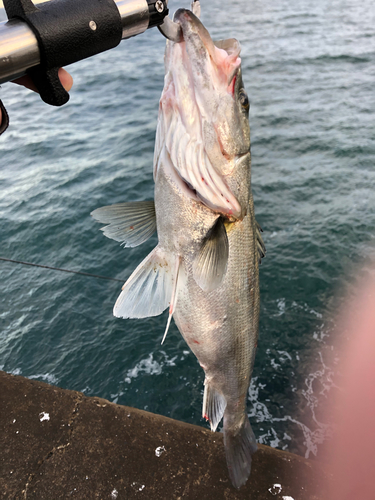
(190, 22)
(223, 53)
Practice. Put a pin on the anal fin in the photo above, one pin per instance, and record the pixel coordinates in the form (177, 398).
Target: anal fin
(214, 405)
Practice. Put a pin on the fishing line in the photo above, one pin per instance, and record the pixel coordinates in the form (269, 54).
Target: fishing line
(59, 269)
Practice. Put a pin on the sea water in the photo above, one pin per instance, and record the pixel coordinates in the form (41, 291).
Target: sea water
(309, 69)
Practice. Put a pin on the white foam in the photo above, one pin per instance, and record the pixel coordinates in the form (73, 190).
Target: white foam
(274, 364)
(150, 366)
(46, 377)
(321, 379)
(43, 416)
(281, 306)
(284, 355)
(305, 307)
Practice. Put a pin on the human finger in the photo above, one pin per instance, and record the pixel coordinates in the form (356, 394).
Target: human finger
(65, 79)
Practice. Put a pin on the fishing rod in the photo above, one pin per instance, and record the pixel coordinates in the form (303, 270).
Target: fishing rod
(39, 39)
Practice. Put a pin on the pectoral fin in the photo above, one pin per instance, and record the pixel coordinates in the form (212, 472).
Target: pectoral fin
(210, 264)
(149, 289)
(129, 223)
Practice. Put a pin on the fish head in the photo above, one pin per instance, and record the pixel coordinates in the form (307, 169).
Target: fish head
(204, 113)
(215, 71)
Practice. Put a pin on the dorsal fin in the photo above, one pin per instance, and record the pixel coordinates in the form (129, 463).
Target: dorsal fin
(130, 223)
(260, 244)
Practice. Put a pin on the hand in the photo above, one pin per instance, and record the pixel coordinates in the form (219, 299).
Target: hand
(352, 446)
(65, 78)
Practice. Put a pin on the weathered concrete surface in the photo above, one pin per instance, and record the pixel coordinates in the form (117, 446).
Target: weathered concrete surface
(59, 444)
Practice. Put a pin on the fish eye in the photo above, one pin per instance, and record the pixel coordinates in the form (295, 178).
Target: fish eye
(243, 98)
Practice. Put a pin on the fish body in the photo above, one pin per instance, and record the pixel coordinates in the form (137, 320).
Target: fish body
(205, 266)
(220, 326)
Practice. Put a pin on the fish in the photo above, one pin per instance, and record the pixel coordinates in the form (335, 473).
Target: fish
(205, 267)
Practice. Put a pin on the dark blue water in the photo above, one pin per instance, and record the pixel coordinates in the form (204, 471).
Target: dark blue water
(309, 69)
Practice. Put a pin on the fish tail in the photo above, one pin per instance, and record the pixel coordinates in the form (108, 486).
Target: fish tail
(240, 445)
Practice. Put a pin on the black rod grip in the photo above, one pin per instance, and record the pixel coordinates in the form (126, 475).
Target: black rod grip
(67, 31)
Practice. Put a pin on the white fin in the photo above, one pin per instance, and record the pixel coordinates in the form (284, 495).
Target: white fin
(129, 223)
(214, 405)
(173, 302)
(149, 289)
(210, 264)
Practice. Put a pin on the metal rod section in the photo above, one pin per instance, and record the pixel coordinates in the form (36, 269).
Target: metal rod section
(134, 16)
(18, 50)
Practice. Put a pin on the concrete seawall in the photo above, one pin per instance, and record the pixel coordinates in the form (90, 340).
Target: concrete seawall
(59, 444)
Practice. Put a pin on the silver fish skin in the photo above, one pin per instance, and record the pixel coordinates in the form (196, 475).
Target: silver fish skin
(205, 266)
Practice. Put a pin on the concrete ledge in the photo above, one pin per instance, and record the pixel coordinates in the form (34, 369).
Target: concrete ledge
(59, 444)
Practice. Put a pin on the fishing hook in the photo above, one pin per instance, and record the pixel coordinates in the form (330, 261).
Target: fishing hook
(172, 30)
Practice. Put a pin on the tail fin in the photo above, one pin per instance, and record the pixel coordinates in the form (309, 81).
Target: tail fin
(240, 445)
